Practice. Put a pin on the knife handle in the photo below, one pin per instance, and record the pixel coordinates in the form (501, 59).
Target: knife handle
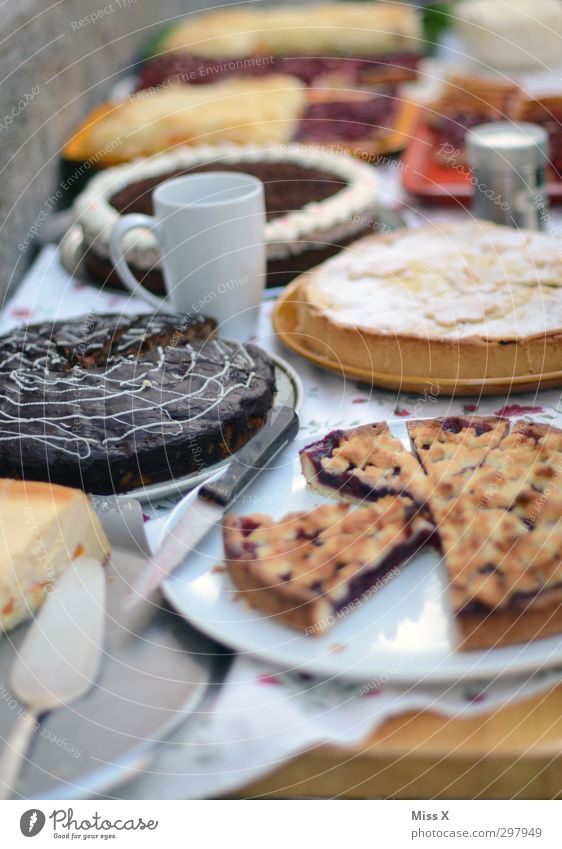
(280, 428)
(15, 750)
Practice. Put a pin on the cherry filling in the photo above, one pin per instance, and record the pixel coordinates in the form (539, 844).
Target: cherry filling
(324, 447)
(452, 425)
(532, 434)
(455, 425)
(481, 427)
(354, 120)
(350, 483)
(247, 525)
(367, 578)
(197, 70)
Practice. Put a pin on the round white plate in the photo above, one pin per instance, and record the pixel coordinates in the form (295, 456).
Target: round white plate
(289, 392)
(403, 633)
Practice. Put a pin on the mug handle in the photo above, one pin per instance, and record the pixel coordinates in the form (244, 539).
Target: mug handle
(121, 227)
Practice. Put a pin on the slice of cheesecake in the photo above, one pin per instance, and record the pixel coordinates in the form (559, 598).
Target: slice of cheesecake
(43, 528)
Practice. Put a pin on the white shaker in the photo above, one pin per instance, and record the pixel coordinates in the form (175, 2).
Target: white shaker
(508, 161)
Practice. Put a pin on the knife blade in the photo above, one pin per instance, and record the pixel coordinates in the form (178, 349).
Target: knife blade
(214, 498)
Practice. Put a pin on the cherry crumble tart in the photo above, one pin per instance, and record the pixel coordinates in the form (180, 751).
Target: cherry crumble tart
(489, 500)
(365, 463)
(308, 567)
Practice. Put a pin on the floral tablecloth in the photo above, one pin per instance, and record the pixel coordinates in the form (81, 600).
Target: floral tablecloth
(261, 717)
(48, 292)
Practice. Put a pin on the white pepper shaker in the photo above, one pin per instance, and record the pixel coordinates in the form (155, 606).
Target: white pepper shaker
(508, 161)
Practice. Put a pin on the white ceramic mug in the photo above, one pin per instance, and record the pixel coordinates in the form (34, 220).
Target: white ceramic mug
(210, 231)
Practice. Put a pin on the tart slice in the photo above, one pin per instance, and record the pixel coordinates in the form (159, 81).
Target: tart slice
(505, 579)
(455, 446)
(526, 462)
(309, 568)
(364, 463)
(500, 539)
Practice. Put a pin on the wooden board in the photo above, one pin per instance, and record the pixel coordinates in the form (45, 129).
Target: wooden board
(515, 752)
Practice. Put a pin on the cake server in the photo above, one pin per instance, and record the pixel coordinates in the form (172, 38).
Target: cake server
(214, 498)
(59, 659)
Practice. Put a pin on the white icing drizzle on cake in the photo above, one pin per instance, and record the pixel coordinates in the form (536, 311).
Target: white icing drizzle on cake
(333, 217)
(29, 381)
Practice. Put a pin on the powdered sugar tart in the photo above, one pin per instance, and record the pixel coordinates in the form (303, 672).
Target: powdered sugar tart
(493, 499)
(467, 301)
(111, 403)
(316, 200)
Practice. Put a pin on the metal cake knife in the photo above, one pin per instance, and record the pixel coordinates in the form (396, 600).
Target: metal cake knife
(214, 498)
(59, 659)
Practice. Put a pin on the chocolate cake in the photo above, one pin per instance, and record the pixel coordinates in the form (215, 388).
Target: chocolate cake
(287, 186)
(110, 403)
(316, 203)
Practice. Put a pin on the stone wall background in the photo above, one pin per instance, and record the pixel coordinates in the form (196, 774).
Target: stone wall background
(52, 70)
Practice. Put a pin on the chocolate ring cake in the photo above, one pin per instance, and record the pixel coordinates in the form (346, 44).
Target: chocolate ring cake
(316, 202)
(110, 403)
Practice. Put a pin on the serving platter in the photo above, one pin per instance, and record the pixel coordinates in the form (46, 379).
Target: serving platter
(290, 393)
(285, 324)
(404, 633)
(425, 177)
